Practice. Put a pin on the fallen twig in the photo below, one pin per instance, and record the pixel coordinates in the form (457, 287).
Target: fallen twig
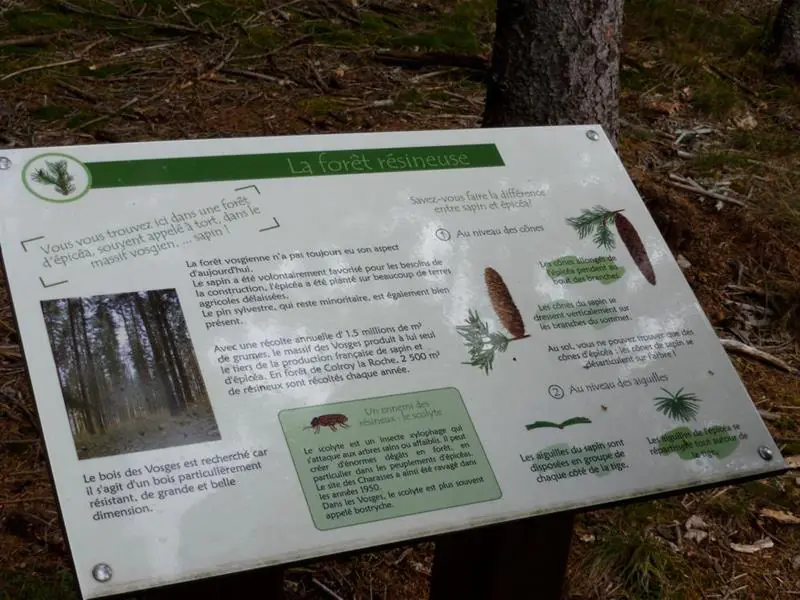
(683, 184)
(147, 48)
(255, 75)
(769, 416)
(291, 44)
(755, 353)
(326, 589)
(40, 67)
(128, 104)
(723, 75)
(161, 25)
(78, 92)
(28, 40)
(436, 59)
(24, 501)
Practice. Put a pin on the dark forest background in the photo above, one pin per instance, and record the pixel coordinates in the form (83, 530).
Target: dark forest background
(128, 372)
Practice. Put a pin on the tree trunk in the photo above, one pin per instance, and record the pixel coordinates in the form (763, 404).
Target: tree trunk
(159, 307)
(555, 63)
(786, 36)
(88, 410)
(160, 357)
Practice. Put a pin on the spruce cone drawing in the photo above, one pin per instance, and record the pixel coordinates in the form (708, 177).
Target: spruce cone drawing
(482, 343)
(630, 237)
(597, 223)
(503, 303)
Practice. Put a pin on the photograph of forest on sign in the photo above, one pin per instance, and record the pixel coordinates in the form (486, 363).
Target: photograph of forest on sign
(128, 373)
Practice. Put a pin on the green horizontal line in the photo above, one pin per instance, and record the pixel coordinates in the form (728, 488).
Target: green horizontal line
(163, 171)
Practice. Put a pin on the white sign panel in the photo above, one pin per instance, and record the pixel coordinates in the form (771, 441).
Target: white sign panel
(248, 352)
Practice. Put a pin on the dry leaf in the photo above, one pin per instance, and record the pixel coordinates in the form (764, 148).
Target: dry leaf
(758, 546)
(659, 105)
(793, 462)
(695, 522)
(780, 516)
(747, 122)
(695, 535)
(587, 537)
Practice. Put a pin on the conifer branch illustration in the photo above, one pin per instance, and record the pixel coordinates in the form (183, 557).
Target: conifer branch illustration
(57, 175)
(483, 344)
(679, 406)
(562, 425)
(597, 222)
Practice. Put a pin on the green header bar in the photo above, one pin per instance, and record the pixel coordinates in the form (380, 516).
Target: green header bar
(163, 171)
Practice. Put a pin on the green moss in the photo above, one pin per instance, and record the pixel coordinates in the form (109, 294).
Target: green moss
(713, 96)
(409, 97)
(260, 39)
(318, 106)
(37, 22)
(18, 585)
(767, 140)
(81, 117)
(51, 112)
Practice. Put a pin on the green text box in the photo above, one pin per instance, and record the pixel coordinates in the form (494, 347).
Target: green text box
(196, 169)
(394, 456)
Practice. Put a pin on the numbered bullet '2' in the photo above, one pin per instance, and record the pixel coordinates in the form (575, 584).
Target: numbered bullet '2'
(330, 421)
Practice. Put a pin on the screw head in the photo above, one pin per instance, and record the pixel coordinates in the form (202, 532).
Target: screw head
(593, 135)
(5, 163)
(102, 572)
(765, 453)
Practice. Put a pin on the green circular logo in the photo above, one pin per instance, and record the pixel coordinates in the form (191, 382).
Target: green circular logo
(56, 177)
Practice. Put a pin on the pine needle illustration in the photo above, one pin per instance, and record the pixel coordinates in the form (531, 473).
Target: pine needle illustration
(482, 344)
(57, 175)
(678, 406)
(562, 425)
(597, 222)
(503, 303)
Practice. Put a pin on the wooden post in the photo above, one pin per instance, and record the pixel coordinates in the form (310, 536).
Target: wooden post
(268, 582)
(520, 559)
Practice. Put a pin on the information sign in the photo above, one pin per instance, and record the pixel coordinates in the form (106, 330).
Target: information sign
(247, 352)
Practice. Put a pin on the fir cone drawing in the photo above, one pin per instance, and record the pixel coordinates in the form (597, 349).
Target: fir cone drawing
(597, 223)
(503, 304)
(482, 343)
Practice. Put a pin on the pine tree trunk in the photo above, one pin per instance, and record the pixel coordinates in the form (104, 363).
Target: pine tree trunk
(160, 358)
(786, 36)
(555, 63)
(80, 374)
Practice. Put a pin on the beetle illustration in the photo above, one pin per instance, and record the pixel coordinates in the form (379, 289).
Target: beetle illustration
(328, 421)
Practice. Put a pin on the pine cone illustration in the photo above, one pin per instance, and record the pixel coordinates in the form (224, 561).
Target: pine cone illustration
(503, 303)
(629, 236)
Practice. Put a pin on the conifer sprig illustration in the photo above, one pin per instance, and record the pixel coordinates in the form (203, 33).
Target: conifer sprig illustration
(597, 222)
(57, 175)
(679, 406)
(562, 425)
(483, 344)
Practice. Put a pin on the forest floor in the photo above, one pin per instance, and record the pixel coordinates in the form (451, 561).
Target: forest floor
(150, 433)
(700, 104)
